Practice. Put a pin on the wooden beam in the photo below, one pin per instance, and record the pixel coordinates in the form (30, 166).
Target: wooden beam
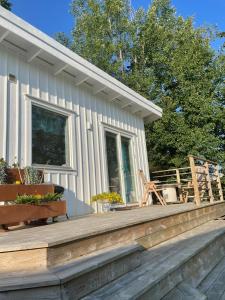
(219, 186)
(4, 35)
(136, 111)
(33, 54)
(194, 180)
(59, 69)
(208, 183)
(98, 90)
(179, 185)
(145, 114)
(113, 98)
(81, 80)
(126, 105)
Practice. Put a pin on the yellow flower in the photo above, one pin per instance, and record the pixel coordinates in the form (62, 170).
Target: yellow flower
(38, 196)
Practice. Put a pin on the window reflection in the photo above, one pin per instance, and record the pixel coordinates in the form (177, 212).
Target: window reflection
(113, 164)
(49, 137)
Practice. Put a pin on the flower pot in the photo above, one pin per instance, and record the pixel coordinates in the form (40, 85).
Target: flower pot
(16, 213)
(9, 192)
(102, 206)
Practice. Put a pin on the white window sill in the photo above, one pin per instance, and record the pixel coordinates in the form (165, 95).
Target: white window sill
(54, 168)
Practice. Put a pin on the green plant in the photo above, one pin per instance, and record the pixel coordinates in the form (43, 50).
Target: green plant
(112, 198)
(37, 199)
(28, 199)
(31, 176)
(3, 174)
(52, 197)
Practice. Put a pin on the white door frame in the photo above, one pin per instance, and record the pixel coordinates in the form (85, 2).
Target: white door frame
(120, 133)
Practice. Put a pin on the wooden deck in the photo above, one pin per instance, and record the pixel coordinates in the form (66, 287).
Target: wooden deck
(58, 244)
(80, 256)
(64, 232)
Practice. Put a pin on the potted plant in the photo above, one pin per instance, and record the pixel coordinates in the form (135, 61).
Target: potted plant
(32, 176)
(3, 173)
(104, 201)
(28, 208)
(23, 181)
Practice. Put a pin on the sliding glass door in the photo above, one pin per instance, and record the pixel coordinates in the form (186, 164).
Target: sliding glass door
(120, 166)
(127, 170)
(113, 163)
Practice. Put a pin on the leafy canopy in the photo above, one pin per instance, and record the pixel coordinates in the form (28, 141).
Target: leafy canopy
(6, 4)
(165, 58)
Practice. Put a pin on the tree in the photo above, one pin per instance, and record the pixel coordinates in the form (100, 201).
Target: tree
(181, 69)
(6, 4)
(222, 35)
(166, 59)
(102, 33)
(63, 39)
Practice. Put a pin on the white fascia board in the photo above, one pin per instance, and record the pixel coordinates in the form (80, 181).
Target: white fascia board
(32, 35)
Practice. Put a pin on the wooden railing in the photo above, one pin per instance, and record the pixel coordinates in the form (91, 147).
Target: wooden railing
(199, 182)
(205, 180)
(179, 177)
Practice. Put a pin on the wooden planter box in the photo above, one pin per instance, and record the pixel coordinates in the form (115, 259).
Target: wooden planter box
(9, 192)
(13, 175)
(16, 213)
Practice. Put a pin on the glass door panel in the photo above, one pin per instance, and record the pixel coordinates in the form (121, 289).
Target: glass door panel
(127, 170)
(113, 163)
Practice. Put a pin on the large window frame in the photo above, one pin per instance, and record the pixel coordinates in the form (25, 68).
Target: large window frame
(58, 135)
(71, 163)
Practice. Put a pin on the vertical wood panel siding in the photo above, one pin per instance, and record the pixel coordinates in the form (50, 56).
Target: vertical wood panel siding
(88, 174)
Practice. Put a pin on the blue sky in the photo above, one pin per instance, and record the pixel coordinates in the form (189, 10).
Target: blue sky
(52, 16)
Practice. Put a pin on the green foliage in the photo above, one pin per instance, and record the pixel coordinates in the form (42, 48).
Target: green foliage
(169, 61)
(6, 4)
(37, 199)
(31, 176)
(183, 82)
(112, 198)
(102, 33)
(3, 174)
(52, 197)
(63, 39)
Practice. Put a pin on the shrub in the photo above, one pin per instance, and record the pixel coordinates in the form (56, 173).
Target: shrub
(112, 198)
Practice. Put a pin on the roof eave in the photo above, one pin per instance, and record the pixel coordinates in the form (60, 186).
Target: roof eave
(42, 42)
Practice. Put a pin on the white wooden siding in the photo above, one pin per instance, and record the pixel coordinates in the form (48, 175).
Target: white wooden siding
(88, 175)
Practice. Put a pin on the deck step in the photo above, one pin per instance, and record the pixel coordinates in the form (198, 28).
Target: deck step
(213, 285)
(185, 292)
(187, 258)
(76, 278)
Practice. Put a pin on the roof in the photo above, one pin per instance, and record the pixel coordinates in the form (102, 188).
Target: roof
(36, 45)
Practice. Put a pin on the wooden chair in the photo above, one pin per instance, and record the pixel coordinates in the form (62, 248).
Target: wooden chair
(150, 187)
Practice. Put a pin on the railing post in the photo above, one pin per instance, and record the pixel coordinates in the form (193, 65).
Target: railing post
(178, 176)
(217, 173)
(179, 185)
(194, 180)
(209, 186)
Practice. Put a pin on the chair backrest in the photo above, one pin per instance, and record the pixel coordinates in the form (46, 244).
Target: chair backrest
(143, 178)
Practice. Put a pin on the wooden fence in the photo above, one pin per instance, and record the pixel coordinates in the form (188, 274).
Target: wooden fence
(199, 182)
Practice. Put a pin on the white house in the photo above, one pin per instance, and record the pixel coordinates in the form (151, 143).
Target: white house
(61, 113)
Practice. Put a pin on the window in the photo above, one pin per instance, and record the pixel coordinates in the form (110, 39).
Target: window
(49, 137)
